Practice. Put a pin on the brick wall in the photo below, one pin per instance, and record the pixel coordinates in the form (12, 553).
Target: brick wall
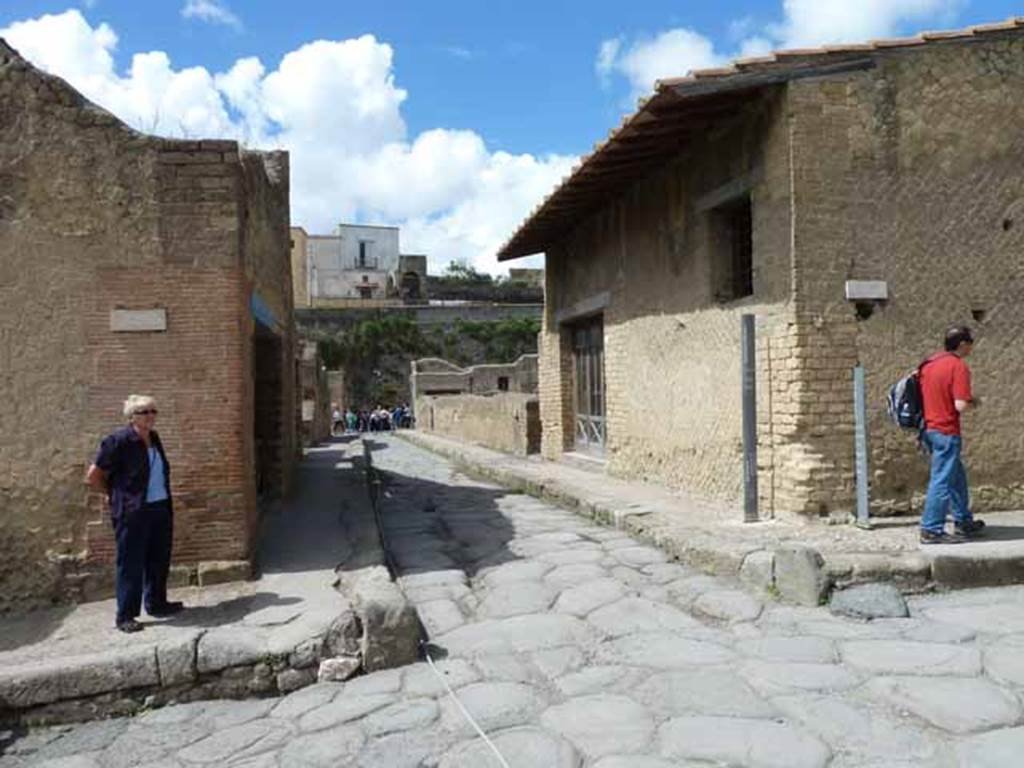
(911, 173)
(96, 217)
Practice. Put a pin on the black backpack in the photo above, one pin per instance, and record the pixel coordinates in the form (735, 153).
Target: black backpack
(905, 404)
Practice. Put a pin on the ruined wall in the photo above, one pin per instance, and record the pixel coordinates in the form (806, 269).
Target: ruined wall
(672, 347)
(911, 173)
(436, 375)
(508, 422)
(265, 216)
(95, 217)
(300, 274)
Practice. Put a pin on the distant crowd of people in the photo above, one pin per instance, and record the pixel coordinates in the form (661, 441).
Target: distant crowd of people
(379, 419)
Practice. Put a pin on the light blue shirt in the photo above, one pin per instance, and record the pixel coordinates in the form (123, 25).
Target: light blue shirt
(157, 488)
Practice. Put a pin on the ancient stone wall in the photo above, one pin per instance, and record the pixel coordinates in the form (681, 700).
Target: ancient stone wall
(122, 270)
(647, 264)
(911, 173)
(300, 273)
(508, 422)
(433, 375)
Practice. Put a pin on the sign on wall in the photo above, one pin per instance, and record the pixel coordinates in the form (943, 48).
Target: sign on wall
(138, 320)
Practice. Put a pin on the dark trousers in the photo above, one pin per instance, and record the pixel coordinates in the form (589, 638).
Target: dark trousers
(144, 540)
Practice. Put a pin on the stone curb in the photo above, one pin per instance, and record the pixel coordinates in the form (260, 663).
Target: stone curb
(792, 572)
(229, 661)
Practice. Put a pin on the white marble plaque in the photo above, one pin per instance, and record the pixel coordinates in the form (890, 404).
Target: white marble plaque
(307, 410)
(867, 290)
(138, 320)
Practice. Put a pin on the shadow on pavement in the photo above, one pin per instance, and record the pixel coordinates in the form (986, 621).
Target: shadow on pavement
(32, 627)
(436, 526)
(313, 529)
(228, 611)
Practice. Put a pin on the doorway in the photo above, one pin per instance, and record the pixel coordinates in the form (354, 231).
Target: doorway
(268, 416)
(588, 385)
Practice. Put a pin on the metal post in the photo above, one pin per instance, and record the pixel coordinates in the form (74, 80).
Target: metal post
(749, 420)
(860, 418)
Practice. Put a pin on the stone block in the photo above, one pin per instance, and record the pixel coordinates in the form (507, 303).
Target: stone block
(181, 576)
(391, 629)
(227, 647)
(292, 679)
(800, 576)
(177, 660)
(758, 570)
(75, 677)
(339, 668)
(222, 571)
(869, 601)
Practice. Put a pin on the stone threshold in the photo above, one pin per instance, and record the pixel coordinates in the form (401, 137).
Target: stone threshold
(797, 561)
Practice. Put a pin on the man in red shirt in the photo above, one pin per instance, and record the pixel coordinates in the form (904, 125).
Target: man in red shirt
(946, 392)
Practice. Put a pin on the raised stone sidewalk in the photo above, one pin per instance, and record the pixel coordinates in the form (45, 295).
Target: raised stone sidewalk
(802, 562)
(325, 593)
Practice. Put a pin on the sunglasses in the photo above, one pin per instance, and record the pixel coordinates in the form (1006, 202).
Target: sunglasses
(146, 412)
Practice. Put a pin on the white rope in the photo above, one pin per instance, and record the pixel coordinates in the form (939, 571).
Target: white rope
(465, 712)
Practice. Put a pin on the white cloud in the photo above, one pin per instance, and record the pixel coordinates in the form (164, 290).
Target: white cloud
(210, 11)
(672, 53)
(336, 107)
(803, 23)
(815, 22)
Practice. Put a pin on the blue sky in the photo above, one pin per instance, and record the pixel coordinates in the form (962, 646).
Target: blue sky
(451, 119)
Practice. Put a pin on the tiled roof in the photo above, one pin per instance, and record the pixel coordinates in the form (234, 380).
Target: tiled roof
(659, 126)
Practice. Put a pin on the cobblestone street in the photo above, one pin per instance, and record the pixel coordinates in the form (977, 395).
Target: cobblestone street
(573, 645)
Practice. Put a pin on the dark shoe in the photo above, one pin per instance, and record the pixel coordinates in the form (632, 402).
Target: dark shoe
(971, 529)
(167, 609)
(128, 626)
(941, 537)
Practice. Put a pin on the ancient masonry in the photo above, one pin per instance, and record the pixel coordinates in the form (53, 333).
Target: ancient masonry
(763, 188)
(134, 264)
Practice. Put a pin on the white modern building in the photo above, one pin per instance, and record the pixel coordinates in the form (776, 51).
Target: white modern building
(354, 263)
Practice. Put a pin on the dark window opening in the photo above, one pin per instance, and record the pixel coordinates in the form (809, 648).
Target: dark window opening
(864, 309)
(733, 249)
(979, 315)
(363, 248)
(503, 383)
(365, 292)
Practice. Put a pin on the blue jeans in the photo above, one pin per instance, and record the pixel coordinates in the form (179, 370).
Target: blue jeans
(144, 537)
(947, 484)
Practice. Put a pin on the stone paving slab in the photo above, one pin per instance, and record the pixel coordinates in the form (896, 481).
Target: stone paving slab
(713, 538)
(654, 682)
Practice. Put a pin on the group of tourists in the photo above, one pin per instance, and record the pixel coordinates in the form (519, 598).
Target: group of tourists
(379, 419)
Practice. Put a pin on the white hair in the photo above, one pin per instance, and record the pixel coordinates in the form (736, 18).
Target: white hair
(137, 403)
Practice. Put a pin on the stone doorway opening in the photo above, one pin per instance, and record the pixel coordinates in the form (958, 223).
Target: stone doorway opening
(267, 412)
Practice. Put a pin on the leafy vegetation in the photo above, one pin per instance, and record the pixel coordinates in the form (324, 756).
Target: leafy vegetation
(375, 353)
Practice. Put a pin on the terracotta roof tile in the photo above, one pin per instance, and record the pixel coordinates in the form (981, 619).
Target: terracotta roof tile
(674, 89)
(945, 34)
(671, 82)
(754, 61)
(999, 26)
(713, 72)
(848, 48)
(898, 42)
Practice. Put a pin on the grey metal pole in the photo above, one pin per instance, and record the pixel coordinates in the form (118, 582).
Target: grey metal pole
(860, 417)
(749, 420)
